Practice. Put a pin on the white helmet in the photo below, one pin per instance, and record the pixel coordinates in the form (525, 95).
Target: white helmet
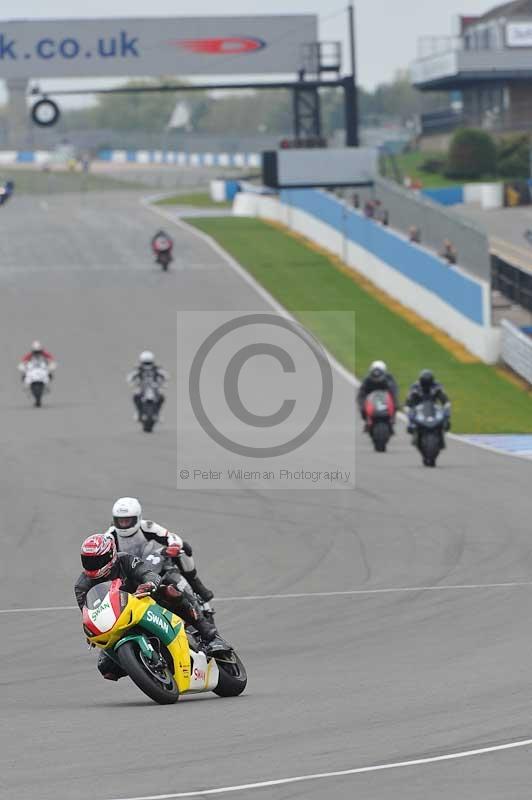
(380, 365)
(36, 346)
(146, 357)
(127, 516)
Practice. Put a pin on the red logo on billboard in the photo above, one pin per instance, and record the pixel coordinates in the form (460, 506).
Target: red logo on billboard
(226, 46)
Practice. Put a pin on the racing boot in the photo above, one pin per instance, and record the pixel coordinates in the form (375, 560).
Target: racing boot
(187, 608)
(198, 586)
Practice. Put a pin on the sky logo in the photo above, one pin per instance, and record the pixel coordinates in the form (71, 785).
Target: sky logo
(226, 46)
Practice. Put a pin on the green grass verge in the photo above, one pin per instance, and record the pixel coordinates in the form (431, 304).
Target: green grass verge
(304, 280)
(36, 181)
(197, 199)
(410, 164)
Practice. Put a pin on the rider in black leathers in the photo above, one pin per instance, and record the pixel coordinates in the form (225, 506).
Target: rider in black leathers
(425, 388)
(136, 575)
(378, 378)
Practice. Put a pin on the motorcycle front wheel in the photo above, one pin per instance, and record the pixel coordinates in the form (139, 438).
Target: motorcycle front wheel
(430, 447)
(157, 682)
(232, 678)
(37, 389)
(380, 434)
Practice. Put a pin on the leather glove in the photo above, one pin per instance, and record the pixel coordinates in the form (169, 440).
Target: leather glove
(170, 592)
(173, 550)
(145, 589)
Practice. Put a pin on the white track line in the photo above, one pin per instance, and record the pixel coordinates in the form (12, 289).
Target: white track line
(300, 595)
(415, 762)
(147, 202)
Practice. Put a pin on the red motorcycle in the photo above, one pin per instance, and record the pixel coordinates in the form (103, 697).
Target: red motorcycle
(379, 411)
(162, 245)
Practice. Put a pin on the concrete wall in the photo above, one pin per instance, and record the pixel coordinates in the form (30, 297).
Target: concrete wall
(447, 297)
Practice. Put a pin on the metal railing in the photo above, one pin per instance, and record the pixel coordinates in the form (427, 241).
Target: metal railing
(512, 282)
(516, 350)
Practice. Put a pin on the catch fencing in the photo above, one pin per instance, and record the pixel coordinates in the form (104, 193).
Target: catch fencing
(407, 209)
(516, 350)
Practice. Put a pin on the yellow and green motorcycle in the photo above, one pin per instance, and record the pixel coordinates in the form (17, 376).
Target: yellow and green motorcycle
(151, 645)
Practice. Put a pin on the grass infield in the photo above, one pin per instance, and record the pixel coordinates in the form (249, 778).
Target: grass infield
(197, 199)
(304, 279)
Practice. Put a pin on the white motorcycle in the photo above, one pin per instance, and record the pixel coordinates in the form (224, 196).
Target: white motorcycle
(37, 373)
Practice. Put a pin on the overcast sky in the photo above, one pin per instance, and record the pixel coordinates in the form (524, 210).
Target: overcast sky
(387, 30)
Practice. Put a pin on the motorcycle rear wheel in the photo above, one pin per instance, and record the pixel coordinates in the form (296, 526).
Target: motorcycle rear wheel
(161, 688)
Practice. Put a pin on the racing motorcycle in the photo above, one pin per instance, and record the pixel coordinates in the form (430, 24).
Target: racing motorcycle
(36, 376)
(430, 420)
(150, 643)
(162, 248)
(379, 409)
(149, 405)
(6, 190)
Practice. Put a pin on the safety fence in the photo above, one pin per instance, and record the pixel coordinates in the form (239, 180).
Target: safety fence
(516, 350)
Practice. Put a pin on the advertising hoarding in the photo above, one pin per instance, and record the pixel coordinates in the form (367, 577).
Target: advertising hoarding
(177, 46)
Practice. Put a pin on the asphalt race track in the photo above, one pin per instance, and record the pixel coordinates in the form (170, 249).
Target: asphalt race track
(335, 682)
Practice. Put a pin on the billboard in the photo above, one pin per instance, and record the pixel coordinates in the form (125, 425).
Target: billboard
(519, 34)
(153, 47)
(346, 166)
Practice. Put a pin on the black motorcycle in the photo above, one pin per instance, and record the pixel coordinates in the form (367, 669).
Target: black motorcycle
(430, 420)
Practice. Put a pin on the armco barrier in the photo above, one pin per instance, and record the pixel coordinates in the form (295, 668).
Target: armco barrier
(454, 301)
(516, 350)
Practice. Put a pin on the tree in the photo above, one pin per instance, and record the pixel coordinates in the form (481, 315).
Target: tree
(472, 155)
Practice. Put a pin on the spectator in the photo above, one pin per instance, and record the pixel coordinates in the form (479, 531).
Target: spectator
(449, 252)
(369, 209)
(385, 217)
(356, 200)
(414, 234)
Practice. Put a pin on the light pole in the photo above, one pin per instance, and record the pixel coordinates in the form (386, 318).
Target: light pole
(350, 86)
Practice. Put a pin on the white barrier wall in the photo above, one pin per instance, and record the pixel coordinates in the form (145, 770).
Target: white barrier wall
(450, 299)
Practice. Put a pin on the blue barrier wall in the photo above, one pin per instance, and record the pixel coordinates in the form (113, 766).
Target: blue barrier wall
(446, 196)
(453, 287)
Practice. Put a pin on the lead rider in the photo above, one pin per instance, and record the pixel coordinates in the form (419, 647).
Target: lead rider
(101, 561)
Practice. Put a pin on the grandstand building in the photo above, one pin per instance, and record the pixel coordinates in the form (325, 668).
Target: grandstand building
(487, 68)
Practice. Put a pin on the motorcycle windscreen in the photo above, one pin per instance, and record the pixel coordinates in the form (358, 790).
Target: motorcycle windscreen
(104, 604)
(97, 595)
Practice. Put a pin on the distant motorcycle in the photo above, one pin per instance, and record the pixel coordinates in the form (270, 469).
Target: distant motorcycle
(430, 420)
(149, 406)
(379, 410)
(162, 248)
(6, 190)
(37, 373)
